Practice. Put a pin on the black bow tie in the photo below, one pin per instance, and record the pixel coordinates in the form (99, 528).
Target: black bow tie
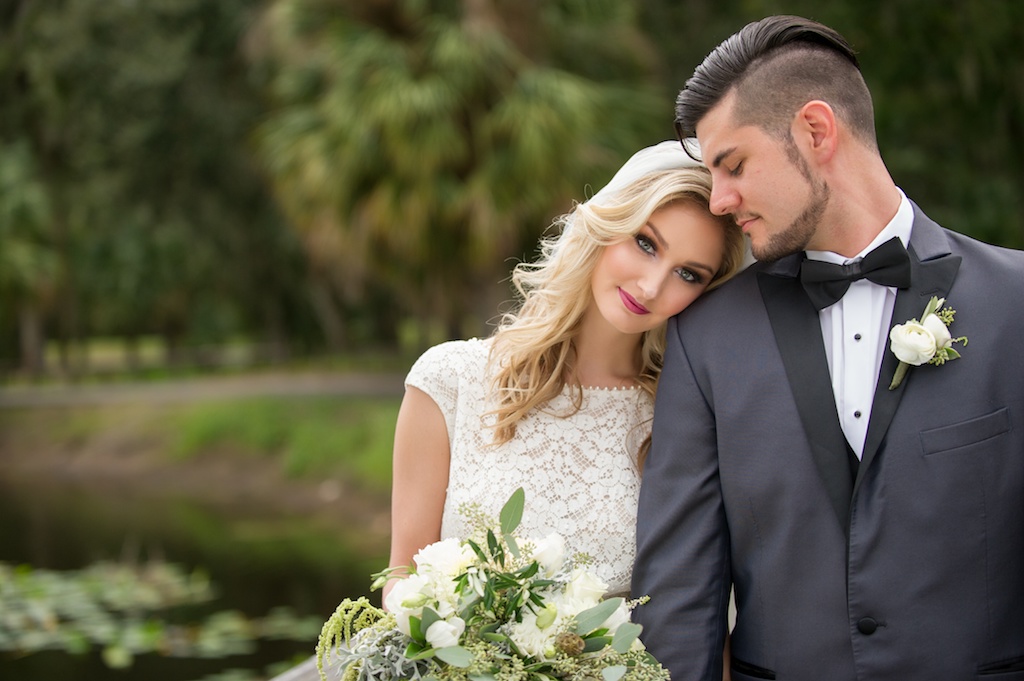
(826, 283)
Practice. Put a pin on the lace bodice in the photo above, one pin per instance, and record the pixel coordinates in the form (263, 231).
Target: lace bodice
(579, 472)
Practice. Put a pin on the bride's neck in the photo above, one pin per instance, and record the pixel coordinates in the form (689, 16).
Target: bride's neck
(606, 360)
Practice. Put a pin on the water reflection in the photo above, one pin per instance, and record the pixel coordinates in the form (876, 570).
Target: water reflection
(257, 559)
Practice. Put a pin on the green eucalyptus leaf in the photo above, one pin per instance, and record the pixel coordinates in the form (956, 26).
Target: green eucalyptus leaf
(613, 673)
(625, 635)
(422, 654)
(513, 545)
(591, 619)
(595, 643)
(429, 617)
(456, 656)
(415, 631)
(468, 606)
(512, 512)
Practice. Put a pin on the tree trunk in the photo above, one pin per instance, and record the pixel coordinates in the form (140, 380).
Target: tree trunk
(327, 314)
(32, 340)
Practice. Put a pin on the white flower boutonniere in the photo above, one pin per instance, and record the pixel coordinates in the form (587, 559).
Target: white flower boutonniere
(924, 342)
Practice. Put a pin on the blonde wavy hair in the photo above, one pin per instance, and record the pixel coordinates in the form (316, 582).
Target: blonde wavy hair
(533, 350)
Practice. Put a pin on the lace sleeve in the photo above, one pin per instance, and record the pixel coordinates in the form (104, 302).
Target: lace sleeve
(439, 372)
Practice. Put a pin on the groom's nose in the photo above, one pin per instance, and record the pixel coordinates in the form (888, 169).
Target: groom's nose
(724, 198)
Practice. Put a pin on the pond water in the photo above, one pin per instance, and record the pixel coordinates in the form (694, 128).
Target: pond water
(257, 561)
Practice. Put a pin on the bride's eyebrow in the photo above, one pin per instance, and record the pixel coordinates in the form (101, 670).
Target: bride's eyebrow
(657, 235)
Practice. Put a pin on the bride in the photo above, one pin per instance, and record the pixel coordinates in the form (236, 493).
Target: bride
(559, 399)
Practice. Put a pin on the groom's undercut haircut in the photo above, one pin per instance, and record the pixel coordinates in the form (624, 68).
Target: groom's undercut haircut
(776, 65)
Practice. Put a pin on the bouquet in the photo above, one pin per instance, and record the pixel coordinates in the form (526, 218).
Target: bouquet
(494, 607)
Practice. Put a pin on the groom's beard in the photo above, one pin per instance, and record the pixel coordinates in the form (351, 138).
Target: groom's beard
(795, 238)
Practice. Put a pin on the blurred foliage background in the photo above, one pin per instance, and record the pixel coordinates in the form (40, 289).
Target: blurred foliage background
(312, 176)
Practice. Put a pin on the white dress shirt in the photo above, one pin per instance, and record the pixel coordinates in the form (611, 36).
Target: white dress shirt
(856, 333)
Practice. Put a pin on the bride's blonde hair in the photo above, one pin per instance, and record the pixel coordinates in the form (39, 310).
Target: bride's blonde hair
(533, 350)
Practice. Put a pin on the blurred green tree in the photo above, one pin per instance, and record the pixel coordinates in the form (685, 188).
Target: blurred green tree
(137, 114)
(948, 83)
(28, 259)
(416, 145)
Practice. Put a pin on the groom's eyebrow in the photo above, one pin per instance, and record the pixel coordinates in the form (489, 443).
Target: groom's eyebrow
(721, 156)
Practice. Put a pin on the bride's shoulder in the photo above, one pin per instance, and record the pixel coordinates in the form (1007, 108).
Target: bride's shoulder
(461, 357)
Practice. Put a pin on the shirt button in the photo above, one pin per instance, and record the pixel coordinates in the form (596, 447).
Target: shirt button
(867, 626)
(856, 336)
(856, 414)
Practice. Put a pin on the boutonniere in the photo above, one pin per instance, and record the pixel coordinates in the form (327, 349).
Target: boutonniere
(924, 342)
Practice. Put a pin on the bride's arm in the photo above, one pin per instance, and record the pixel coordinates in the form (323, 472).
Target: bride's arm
(419, 479)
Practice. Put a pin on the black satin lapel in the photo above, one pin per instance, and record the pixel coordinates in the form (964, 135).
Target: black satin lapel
(933, 278)
(798, 335)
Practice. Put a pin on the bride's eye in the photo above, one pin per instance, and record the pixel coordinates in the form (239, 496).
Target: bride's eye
(645, 244)
(689, 276)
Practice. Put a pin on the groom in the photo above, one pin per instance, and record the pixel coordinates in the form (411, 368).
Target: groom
(870, 533)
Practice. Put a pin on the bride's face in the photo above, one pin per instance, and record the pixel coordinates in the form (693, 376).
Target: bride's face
(639, 283)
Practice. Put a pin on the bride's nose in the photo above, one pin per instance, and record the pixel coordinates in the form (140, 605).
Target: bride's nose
(650, 285)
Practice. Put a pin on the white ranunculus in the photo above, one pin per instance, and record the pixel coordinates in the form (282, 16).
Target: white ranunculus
(448, 557)
(445, 633)
(938, 329)
(407, 598)
(913, 343)
(549, 553)
(585, 587)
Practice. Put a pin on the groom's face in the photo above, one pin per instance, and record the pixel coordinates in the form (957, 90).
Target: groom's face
(763, 182)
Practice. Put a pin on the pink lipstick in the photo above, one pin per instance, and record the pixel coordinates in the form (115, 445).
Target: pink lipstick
(631, 304)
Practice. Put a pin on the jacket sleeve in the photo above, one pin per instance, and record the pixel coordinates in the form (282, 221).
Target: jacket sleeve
(682, 559)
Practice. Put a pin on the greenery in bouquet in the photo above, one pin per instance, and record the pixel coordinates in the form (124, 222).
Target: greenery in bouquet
(494, 607)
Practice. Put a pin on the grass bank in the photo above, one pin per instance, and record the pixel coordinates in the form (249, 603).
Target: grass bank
(305, 438)
(328, 456)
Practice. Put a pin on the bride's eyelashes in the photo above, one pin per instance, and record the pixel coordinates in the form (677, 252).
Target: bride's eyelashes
(648, 246)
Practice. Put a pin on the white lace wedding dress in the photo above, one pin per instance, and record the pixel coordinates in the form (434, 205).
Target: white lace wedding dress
(579, 471)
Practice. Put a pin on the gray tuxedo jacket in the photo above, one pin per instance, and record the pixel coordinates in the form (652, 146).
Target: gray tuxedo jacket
(910, 568)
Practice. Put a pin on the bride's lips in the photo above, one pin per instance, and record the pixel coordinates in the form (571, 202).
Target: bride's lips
(631, 304)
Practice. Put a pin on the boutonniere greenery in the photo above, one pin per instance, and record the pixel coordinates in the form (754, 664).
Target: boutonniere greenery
(927, 341)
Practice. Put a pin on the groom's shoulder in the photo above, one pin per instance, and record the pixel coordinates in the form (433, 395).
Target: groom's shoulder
(966, 246)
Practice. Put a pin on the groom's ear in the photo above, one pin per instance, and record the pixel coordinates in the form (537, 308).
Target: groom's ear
(815, 128)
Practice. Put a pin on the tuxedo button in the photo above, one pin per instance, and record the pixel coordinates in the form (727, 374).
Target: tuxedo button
(867, 626)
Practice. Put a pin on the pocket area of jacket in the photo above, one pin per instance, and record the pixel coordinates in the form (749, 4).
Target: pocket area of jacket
(965, 433)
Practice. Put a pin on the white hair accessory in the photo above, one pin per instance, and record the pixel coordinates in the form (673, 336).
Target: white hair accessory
(668, 155)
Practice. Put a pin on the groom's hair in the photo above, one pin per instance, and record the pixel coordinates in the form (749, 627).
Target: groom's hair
(776, 65)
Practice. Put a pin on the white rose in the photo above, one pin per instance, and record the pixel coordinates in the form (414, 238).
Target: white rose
(448, 557)
(445, 633)
(549, 553)
(407, 599)
(585, 586)
(913, 343)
